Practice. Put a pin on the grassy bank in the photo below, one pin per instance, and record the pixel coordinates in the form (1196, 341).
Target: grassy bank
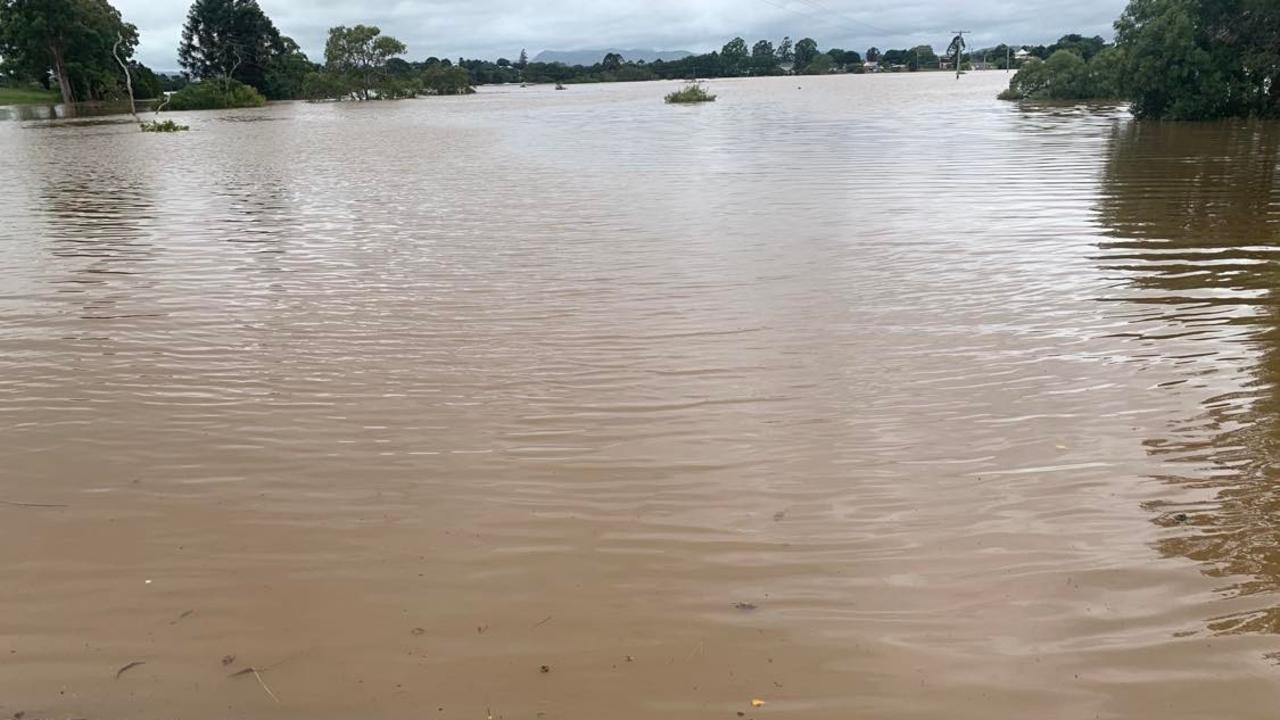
(27, 96)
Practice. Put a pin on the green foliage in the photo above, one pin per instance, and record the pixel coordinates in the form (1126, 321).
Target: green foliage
(70, 40)
(846, 59)
(172, 83)
(805, 52)
(215, 95)
(690, 94)
(921, 56)
(1066, 76)
(359, 55)
(229, 39)
(162, 126)
(821, 65)
(146, 84)
(786, 51)
(1191, 60)
(286, 71)
(33, 95)
(442, 80)
(735, 57)
(1173, 59)
(320, 85)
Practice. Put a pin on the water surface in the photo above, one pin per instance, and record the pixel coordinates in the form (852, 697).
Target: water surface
(867, 396)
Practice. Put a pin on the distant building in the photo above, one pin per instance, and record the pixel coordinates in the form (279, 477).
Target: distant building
(1022, 55)
(871, 66)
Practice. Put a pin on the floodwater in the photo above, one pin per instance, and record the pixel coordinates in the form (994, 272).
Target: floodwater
(864, 396)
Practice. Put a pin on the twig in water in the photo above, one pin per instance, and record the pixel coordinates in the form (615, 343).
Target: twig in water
(248, 670)
(543, 621)
(128, 667)
(30, 505)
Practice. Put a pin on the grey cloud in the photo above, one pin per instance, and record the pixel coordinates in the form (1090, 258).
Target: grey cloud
(493, 28)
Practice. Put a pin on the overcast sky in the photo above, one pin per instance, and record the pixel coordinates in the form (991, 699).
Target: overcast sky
(500, 28)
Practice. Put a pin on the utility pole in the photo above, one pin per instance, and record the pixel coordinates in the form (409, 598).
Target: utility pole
(958, 45)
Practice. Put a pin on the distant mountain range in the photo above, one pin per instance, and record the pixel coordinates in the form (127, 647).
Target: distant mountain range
(591, 57)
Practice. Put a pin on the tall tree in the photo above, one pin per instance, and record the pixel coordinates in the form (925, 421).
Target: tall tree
(286, 72)
(734, 56)
(873, 54)
(70, 40)
(1198, 59)
(230, 39)
(359, 55)
(523, 62)
(922, 56)
(786, 51)
(612, 62)
(806, 50)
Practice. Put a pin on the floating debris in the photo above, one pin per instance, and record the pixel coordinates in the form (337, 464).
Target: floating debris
(129, 667)
(744, 606)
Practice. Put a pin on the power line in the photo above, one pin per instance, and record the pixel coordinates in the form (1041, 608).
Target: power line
(814, 15)
(833, 11)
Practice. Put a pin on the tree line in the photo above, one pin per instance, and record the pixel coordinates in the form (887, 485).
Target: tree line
(1180, 59)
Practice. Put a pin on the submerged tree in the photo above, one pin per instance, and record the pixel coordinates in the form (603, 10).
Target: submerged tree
(359, 56)
(71, 41)
(1173, 59)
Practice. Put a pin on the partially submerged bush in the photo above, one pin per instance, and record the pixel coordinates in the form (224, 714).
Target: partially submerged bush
(1066, 76)
(318, 86)
(163, 126)
(440, 79)
(691, 94)
(215, 95)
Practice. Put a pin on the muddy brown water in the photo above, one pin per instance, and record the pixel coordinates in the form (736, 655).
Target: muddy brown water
(867, 397)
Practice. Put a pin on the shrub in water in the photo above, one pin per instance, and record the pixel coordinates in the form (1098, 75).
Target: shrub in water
(215, 95)
(163, 126)
(691, 94)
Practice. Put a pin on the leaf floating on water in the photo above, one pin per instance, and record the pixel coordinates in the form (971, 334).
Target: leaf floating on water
(757, 702)
(128, 667)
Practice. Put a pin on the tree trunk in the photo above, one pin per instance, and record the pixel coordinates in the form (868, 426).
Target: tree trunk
(60, 71)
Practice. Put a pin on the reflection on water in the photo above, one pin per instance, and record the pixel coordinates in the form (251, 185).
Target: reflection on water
(61, 111)
(1193, 212)
(857, 394)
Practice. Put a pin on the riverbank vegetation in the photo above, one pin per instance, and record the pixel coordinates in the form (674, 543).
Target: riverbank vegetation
(26, 95)
(691, 94)
(1174, 60)
(67, 45)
